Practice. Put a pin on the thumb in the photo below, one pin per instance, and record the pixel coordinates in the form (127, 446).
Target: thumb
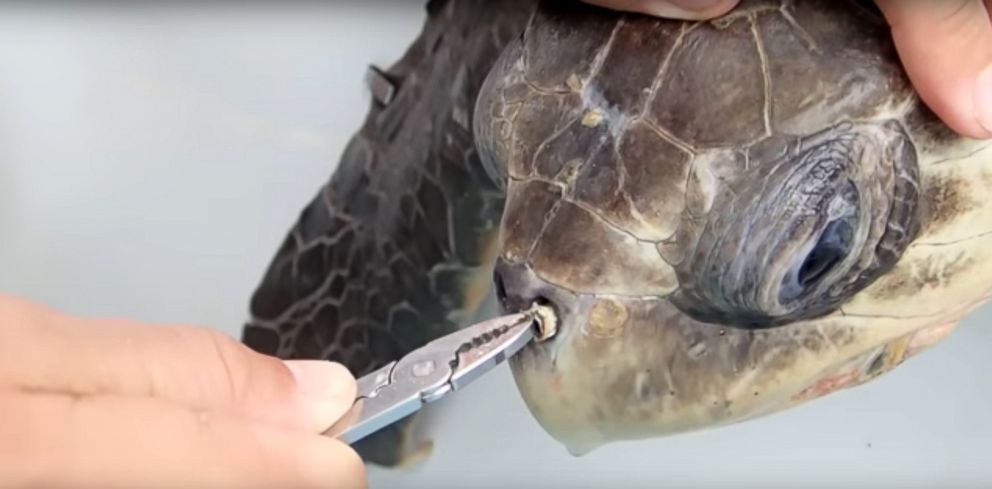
(946, 47)
(192, 366)
(672, 9)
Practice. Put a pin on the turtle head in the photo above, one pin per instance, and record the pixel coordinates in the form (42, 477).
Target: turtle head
(722, 235)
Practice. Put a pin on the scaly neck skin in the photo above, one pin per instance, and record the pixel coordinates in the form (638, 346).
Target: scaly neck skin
(397, 248)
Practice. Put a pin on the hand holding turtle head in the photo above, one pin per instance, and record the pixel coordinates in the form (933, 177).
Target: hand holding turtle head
(946, 48)
(672, 9)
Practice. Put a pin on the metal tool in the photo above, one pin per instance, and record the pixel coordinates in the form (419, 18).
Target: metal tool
(427, 374)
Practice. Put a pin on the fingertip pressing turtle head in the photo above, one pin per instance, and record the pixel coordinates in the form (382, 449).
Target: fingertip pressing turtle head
(728, 217)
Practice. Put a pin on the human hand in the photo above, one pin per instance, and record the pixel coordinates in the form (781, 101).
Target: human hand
(945, 46)
(111, 403)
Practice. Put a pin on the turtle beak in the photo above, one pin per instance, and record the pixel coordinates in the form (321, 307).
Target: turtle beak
(621, 368)
(540, 377)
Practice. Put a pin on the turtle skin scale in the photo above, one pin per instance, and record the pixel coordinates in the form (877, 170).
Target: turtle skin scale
(729, 217)
(398, 247)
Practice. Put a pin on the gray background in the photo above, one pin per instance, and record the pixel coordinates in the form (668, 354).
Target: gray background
(152, 158)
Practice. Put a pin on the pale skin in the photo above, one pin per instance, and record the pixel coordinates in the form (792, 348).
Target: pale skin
(115, 403)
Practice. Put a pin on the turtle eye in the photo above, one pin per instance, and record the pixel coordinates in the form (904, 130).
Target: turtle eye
(828, 249)
(832, 247)
(824, 219)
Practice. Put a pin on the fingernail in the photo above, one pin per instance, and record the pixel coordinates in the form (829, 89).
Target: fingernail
(319, 379)
(983, 99)
(690, 9)
(328, 388)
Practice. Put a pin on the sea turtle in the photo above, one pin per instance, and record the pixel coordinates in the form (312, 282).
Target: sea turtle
(729, 217)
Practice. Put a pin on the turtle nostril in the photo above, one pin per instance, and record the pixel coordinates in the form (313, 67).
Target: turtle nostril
(518, 290)
(500, 288)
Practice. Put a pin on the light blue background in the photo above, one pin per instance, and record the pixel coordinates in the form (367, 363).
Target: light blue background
(151, 160)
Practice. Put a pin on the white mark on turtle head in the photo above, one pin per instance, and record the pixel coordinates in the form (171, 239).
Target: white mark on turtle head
(597, 110)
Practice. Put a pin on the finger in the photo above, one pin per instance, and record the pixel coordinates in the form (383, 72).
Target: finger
(123, 442)
(671, 9)
(198, 367)
(347, 420)
(946, 48)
